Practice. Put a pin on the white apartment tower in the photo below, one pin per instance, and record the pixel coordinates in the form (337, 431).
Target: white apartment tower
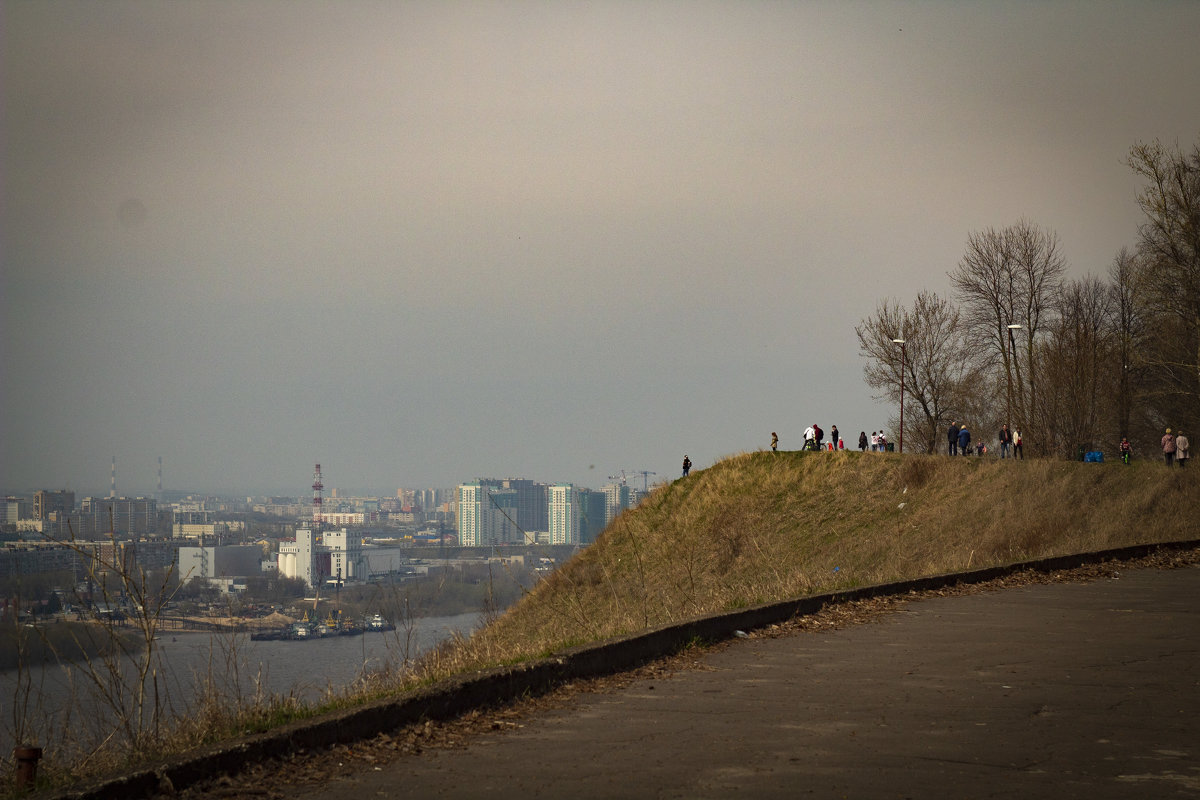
(564, 514)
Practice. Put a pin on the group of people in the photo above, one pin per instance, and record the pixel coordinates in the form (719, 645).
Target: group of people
(958, 441)
(958, 438)
(878, 442)
(1175, 448)
(814, 438)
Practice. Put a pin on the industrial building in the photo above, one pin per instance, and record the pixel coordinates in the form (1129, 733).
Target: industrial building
(316, 558)
(222, 561)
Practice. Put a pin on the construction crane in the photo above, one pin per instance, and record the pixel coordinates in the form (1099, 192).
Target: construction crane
(645, 473)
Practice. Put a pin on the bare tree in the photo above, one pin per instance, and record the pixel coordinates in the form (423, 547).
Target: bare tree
(1075, 358)
(1169, 256)
(1128, 336)
(1009, 278)
(936, 363)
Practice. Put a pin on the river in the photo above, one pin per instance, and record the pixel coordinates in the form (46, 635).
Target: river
(62, 702)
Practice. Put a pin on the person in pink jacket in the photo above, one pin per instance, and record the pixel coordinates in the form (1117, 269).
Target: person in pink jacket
(1168, 446)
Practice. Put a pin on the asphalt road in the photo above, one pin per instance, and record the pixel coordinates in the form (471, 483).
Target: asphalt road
(1043, 691)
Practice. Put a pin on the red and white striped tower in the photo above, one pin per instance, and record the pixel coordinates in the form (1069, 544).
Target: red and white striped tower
(318, 487)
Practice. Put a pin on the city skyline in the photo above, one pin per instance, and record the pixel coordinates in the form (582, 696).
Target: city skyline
(424, 242)
(332, 495)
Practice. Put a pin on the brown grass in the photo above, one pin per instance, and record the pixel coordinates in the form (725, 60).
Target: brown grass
(762, 527)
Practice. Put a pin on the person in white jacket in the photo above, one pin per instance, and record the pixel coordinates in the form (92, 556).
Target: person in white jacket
(1181, 449)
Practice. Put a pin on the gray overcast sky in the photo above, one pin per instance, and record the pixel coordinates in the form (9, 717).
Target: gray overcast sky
(427, 242)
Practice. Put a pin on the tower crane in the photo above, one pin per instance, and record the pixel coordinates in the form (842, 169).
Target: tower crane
(645, 473)
(620, 477)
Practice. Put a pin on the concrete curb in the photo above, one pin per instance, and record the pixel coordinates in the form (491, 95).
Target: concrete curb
(454, 697)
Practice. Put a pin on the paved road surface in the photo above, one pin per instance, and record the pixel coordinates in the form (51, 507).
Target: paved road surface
(1045, 691)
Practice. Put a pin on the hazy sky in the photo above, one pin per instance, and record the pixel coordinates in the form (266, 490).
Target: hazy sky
(426, 242)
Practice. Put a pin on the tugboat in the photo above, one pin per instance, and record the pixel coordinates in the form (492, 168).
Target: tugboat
(377, 624)
(302, 630)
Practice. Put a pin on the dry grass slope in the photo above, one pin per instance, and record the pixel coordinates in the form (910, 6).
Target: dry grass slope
(754, 528)
(761, 527)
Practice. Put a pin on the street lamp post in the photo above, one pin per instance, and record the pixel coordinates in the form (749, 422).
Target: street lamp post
(902, 353)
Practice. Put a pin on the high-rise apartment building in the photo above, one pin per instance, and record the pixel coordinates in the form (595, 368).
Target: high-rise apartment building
(487, 515)
(592, 515)
(563, 511)
(16, 509)
(45, 502)
(616, 499)
(529, 502)
(124, 516)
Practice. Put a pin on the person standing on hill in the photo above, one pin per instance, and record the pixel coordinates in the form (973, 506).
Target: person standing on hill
(687, 465)
(1181, 449)
(1017, 451)
(1168, 446)
(862, 441)
(820, 434)
(952, 435)
(964, 441)
(833, 436)
(1005, 440)
(774, 442)
(809, 436)
(1126, 450)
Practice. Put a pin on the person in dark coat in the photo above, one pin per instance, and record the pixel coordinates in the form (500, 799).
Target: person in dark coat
(862, 441)
(964, 441)
(687, 465)
(952, 436)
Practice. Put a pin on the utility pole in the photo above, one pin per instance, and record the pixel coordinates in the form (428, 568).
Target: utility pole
(902, 355)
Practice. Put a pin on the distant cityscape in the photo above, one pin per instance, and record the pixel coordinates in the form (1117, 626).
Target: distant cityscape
(319, 538)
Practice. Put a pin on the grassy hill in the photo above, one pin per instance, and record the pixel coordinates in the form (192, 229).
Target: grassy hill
(761, 527)
(754, 528)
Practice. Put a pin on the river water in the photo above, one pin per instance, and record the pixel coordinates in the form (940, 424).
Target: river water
(62, 701)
